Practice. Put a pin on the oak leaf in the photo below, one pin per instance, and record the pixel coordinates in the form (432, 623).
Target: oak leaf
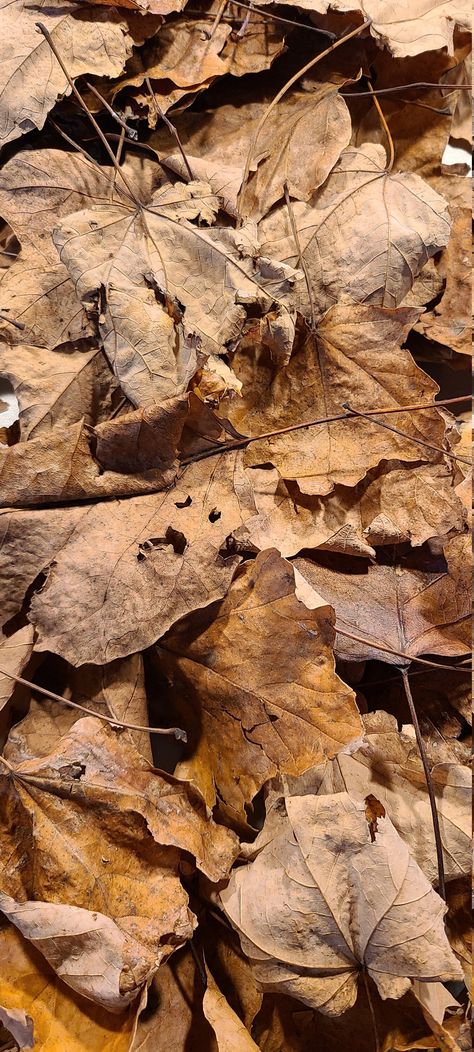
(354, 356)
(365, 905)
(364, 237)
(255, 685)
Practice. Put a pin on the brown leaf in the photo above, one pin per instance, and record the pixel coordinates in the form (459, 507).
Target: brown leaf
(158, 554)
(61, 1019)
(316, 856)
(15, 652)
(450, 321)
(89, 41)
(173, 1020)
(255, 685)
(354, 357)
(367, 235)
(58, 388)
(409, 610)
(231, 1034)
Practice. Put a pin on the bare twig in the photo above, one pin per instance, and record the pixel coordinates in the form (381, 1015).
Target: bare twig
(424, 84)
(176, 732)
(372, 1010)
(240, 443)
(171, 127)
(218, 17)
(269, 15)
(429, 785)
(409, 438)
(131, 132)
(11, 321)
(375, 643)
(286, 87)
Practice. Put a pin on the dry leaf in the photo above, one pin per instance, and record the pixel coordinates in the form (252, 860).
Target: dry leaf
(15, 653)
(231, 1034)
(316, 860)
(61, 1019)
(366, 236)
(255, 685)
(354, 356)
(408, 610)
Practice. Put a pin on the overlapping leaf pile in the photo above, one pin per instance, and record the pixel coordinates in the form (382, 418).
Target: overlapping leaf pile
(234, 559)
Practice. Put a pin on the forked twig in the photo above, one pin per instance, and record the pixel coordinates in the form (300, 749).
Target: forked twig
(286, 87)
(429, 785)
(176, 732)
(240, 443)
(403, 434)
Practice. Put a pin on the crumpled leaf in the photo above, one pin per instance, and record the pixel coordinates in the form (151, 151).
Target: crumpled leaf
(142, 269)
(136, 453)
(365, 904)
(365, 236)
(354, 356)
(175, 993)
(162, 555)
(387, 764)
(450, 321)
(410, 610)
(61, 1019)
(255, 685)
(19, 1025)
(90, 41)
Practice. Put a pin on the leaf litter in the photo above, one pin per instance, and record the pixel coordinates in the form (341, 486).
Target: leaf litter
(234, 524)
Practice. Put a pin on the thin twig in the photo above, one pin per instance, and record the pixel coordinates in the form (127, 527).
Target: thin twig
(301, 262)
(410, 438)
(371, 1009)
(11, 321)
(225, 447)
(243, 29)
(220, 12)
(391, 148)
(171, 127)
(86, 109)
(179, 734)
(403, 87)
(429, 785)
(286, 87)
(202, 15)
(77, 146)
(113, 175)
(376, 645)
(131, 132)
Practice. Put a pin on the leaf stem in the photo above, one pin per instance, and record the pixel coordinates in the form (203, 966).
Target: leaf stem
(301, 260)
(179, 734)
(399, 653)
(131, 132)
(289, 84)
(403, 87)
(240, 443)
(391, 148)
(371, 1009)
(429, 785)
(11, 321)
(410, 438)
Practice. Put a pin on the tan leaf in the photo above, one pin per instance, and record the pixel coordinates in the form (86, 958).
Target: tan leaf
(87, 950)
(318, 860)
(411, 505)
(58, 388)
(387, 765)
(15, 652)
(354, 356)
(173, 1020)
(137, 566)
(231, 1034)
(366, 236)
(256, 687)
(90, 41)
(450, 321)
(407, 30)
(61, 1019)
(117, 254)
(409, 610)
(41, 296)
(133, 454)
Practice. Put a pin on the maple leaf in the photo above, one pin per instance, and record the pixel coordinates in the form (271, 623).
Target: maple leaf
(366, 234)
(411, 611)
(316, 853)
(348, 360)
(251, 703)
(15, 652)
